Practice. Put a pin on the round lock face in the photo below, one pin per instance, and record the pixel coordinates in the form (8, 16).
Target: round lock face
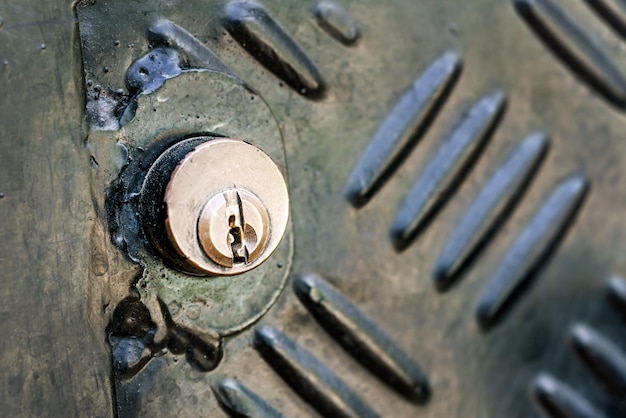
(233, 227)
(227, 207)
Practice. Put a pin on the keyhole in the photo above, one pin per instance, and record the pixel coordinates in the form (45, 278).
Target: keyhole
(236, 227)
(235, 236)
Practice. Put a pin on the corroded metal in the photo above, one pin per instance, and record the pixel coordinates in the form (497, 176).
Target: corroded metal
(359, 104)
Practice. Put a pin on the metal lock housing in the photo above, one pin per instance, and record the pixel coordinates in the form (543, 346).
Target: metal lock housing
(214, 206)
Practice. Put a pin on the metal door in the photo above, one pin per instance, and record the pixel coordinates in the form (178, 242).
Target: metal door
(453, 244)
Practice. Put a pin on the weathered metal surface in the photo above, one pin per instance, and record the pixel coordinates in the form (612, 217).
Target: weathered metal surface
(96, 323)
(53, 360)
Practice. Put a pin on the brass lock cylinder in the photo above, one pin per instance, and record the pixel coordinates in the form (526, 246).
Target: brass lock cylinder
(214, 206)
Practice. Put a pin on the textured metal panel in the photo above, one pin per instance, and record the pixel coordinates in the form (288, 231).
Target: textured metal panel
(504, 286)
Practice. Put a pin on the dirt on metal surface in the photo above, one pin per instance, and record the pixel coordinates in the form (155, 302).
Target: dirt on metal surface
(456, 242)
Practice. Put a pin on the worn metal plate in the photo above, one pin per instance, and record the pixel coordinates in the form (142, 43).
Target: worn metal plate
(456, 180)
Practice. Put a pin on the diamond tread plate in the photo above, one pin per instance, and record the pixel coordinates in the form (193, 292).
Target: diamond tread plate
(422, 143)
